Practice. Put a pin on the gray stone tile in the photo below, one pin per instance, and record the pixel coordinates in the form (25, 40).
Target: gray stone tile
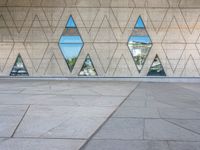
(8, 124)
(64, 100)
(126, 145)
(40, 144)
(184, 145)
(74, 127)
(178, 113)
(10, 116)
(121, 128)
(137, 112)
(157, 129)
(12, 110)
(193, 125)
(62, 121)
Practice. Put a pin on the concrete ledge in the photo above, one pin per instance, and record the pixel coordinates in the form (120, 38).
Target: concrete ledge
(137, 79)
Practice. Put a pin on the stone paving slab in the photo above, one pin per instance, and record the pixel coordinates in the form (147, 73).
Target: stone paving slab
(62, 100)
(40, 144)
(109, 115)
(121, 128)
(126, 145)
(62, 121)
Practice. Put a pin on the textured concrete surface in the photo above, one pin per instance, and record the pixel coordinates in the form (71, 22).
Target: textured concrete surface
(98, 115)
(32, 28)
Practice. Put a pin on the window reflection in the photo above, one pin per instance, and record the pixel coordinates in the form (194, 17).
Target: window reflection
(156, 68)
(71, 43)
(88, 68)
(19, 68)
(139, 44)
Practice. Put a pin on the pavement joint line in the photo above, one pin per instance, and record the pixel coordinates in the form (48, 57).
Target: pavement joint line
(110, 116)
(181, 126)
(138, 140)
(20, 121)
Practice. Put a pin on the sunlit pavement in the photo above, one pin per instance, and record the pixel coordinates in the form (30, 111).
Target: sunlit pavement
(98, 115)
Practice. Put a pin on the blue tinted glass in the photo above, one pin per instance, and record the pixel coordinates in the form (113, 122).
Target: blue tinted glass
(140, 39)
(19, 68)
(70, 50)
(70, 43)
(71, 23)
(88, 68)
(139, 23)
(71, 39)
(139, 44)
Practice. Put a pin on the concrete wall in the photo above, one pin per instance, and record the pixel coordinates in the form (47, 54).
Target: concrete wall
(33, 28)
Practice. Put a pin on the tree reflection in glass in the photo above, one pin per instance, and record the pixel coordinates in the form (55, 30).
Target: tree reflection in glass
(19, 68)
(71, 43)
(139, 44)
(156, 68)
(88, 68)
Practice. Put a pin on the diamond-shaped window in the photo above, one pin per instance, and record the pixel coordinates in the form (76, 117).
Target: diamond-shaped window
(156, 68)
(88, 68)
(71, 43)
(139, 44)
(19, 69)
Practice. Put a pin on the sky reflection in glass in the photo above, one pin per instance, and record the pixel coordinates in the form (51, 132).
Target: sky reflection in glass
(88, 68)
(156, 68)
(139, 44)
(71, 43)
(19, 68)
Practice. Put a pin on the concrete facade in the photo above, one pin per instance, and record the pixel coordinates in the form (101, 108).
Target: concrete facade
(33, 29)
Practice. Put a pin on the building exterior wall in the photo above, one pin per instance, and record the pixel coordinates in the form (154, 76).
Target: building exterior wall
(32, 28)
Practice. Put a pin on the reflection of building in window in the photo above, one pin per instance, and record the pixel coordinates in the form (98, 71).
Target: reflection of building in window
(71, 43)
(156, 68)
(88, 68)
(19, 68)
(139, 44)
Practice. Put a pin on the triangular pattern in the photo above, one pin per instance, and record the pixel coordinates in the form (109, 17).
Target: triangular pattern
(122, 3)
(19, 68)
(190, 3)
(155, 18)
(105, 33)
(53, 68)
(170, 37)
(88, 16)
(139, 44)
(191, 17)
(157, 3)
(88, 68)
(156, 68)
(53, 3)
(71, 43)
(70, 2)
(105, 3)
(5, 35)
(19, 15)
(5, 51)
(174, 3)
(140, 3)
(53, 16)
(18, 3)
(36, 33)
(36, 52)
(174, 53)
(87, 3)
(122, 68)
(123, 16)
(190, 69)
(105, 53)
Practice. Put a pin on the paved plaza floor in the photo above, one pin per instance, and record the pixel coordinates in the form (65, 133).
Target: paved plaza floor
(99, 115)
